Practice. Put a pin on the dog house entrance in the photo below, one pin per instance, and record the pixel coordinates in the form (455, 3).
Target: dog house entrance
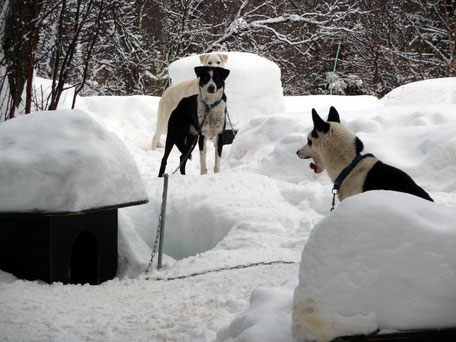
(84, 260)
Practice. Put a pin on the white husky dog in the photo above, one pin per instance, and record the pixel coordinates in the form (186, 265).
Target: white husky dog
(172, 96)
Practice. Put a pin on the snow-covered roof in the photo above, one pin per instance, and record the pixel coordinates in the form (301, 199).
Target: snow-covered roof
(59, 161)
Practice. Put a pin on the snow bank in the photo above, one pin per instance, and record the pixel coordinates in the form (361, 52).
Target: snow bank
(434, 91)
(381, 260)
(267, 319)
(252, 88)
(64, 161)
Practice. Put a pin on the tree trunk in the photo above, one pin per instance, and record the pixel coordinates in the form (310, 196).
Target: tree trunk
(19, 46)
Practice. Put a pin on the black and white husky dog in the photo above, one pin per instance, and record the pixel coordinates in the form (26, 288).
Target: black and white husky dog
(201, 116)
(338, 150)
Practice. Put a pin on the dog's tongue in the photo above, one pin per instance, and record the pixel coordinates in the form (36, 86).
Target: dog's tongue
(313, 167)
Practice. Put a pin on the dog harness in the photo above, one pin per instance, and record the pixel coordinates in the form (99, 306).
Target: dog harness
(209, 107)
(345, 172)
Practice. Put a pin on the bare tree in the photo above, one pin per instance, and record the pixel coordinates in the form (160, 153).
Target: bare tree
(74, 27)
(434, 22)
(19, 23)
(122, 62)
(116, 47)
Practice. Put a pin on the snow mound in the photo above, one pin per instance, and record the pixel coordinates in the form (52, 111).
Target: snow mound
(433, 91)
(252, 88)
(64, 161)
(381, 260)
(267, 319)
(322, 103)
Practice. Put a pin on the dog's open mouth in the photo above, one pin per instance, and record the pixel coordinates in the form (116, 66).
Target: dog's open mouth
(315, 167)
(307, 152)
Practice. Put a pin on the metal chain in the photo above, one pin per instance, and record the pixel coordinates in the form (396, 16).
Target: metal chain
(160, 217)
(187, 155)
(261, 263)
(334, 192)
(229, 121)
(157, 238)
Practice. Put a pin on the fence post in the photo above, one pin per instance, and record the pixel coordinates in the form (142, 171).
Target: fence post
(162, 222)
(334, 69)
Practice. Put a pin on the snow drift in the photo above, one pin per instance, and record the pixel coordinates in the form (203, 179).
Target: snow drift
(435, 91)
(381, 260)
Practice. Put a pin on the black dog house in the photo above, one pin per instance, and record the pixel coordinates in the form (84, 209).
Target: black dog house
(70, 247)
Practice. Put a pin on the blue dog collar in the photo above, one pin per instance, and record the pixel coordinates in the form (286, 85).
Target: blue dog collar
(209, 107)
(346, 171)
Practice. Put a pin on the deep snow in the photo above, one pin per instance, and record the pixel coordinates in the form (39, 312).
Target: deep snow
(261, 207)
(393, 268)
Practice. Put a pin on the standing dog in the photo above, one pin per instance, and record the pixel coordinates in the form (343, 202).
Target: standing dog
(174, 94)
(334, 147)
(200, 116)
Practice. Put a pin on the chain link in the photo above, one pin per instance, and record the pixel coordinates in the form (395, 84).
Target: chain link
(187, 155)
(334, 192)
(157, 238)
(229, 121)
(261, 263)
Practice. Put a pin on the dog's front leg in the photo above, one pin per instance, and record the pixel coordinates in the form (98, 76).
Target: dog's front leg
(168, 148)
(202, 149)
(218, 145)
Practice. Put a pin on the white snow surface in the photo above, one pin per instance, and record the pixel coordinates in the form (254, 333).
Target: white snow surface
(262, 207)
(435, 91)
(61, 161)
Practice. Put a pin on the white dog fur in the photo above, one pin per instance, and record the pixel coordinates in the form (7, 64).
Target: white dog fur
(172, 96)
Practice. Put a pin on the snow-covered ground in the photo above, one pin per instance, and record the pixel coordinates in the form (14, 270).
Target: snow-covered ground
(261, 208)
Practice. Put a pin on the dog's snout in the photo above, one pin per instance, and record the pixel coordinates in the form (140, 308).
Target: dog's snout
(211, 89)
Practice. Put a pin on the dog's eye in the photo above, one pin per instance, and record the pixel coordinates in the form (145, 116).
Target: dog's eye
(309, 142)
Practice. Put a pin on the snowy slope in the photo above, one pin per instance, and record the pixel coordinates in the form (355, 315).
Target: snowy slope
(260, 208)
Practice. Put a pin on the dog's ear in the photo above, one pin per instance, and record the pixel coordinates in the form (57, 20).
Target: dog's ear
(333, 115)
(359, 145)
(224, 73)
(199, 70)
(224, 57)
(319, 123)
(203, 58)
